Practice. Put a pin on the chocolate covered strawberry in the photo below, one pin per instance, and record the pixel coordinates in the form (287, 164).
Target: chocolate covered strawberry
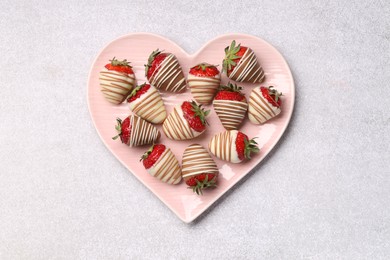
(134, 131)
(199, 170)
(146, 102)
(161, 163)
(264, 104)
(230, 105)
(186, 121)
(233, 146)
(164, 72)
(117, 80)
(240, 64)
(203, 80)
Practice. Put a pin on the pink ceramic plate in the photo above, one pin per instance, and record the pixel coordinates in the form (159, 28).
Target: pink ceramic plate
(136, 48)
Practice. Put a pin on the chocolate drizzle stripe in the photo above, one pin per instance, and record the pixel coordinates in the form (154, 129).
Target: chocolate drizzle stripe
(142, 132)
(223, 146)
(151, 107)
(259, 108)
(167, 168)
(159, 167)
(166, 70)
(265, 103)
(175, 87)
(256, 72)
(196, 160)
(250, 65)
(204, 79)
(259, 105)
(251, 62)
(116, 76)
(112, 95)
(176, 127)
(169, 76)
(115, 86)
(231, 113)
(248, 69)
(258, 117)
(203, 89)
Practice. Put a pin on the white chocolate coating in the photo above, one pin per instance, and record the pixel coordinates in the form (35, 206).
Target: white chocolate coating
(150, 106)
(248, 69)
(166, 168)
(196, 160)
(176, 126)
(169, 76)
(260, 110)
(116, 86)
(230, 112)
(203, 89)
(142, 132)
(223, 146)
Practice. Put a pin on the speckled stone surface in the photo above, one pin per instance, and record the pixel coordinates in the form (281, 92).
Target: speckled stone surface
(323, 193)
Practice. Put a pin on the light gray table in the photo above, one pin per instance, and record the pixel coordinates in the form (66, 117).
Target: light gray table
(323, 193)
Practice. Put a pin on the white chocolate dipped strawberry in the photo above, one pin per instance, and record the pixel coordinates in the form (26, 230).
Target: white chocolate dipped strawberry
(264, 104)
(204, 80)
(186, 121)
(134, 131)
(164, 72)
(232, 146)
(116, 80)
(199, 170)
(161, 163)
(230, 105)
(146, 102)
(240, 64)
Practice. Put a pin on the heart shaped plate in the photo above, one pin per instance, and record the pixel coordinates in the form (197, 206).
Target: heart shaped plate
(136, 48)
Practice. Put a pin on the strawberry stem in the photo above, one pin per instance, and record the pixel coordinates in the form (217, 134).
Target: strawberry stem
(230, 56)
(250, 147)
(230, 87)
(118, 128)
(151, 58)
(201, 185)
(135, 90)
(200, 112)
(146, 154)
(115, 62)
(275, 93)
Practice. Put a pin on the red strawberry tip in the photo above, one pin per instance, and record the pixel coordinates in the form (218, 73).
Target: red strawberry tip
(151, 58)
(137, 92)
(204, 70)
(272, 95)
(195, 115)
(151, 156)
(146, 154)
(230, 92)
(203, 66)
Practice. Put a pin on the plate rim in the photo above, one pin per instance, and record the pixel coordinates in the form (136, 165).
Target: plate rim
(216, 198)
